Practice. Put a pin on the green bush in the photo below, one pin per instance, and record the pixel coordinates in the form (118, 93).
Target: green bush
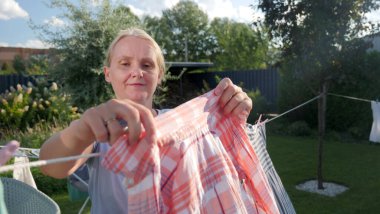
(299, 128)
(359, 76)
(26, 106)
(47, 184)
(260, 105)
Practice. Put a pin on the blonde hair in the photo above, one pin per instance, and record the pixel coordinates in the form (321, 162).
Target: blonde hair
(140, 34)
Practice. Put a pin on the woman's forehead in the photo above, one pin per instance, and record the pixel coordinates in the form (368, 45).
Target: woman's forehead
(134, 46)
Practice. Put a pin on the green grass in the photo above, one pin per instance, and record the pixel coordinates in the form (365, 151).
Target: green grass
(68, 206)
(353, 165)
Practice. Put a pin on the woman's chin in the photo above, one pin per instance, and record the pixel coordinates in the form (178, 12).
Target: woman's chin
(142, 99)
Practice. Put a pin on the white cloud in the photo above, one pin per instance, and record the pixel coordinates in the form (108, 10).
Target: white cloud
(33, 43)
(151, 7)
(136, 11)
(374, 16)
(213, 8)
(4, 44)
(226, 8)
(11, 9)
(55, 22)
(217, 8)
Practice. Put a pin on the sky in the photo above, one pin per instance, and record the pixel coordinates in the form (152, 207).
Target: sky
(15, 15)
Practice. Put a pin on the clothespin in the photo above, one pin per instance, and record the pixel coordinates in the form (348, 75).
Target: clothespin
(259, 122)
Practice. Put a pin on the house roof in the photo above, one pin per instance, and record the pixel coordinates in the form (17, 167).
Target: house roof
(177, 67)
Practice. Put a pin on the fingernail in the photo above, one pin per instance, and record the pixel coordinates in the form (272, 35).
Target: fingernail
(243, 117)
(217, 91)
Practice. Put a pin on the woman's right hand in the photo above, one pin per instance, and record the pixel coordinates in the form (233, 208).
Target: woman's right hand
(101, 123)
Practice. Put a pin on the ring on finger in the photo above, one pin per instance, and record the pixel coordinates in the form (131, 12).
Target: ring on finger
(106, 122)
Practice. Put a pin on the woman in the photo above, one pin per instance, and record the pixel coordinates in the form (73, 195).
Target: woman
(134, 67)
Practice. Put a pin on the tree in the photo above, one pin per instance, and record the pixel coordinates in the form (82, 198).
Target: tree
(82, 44)
(312, 34)
(241, 47)
(183, 32)
(4, 67)
(19, 64)
(37, 64)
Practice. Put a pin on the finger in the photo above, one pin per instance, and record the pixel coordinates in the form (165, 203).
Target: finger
(94, 120)
(235, 100)
(228, 93)
(115, 130)
(127, 111)
(243, 109)
(223, 84)
(148, 122)
(8, 150)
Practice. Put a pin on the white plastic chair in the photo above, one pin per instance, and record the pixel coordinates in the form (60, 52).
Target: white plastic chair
(21, 198)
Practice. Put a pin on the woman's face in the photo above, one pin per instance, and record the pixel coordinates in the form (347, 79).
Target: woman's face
(134, 72)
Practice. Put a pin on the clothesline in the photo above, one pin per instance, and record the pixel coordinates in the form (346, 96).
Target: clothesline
(349, 97)
(46, 162)
(26, 152)
(299, 106)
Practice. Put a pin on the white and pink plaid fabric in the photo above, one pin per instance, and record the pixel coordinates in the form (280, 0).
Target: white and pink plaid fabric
(202, 163)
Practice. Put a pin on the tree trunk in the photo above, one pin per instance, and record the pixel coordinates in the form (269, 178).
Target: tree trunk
(321, 131)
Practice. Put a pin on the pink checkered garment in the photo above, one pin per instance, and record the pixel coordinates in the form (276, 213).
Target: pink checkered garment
(202, 163)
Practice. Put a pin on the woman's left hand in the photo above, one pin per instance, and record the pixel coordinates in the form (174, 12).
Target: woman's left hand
(233, 99)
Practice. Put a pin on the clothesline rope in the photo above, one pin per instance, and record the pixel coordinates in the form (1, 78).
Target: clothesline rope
(46, 162)
(349, 97)
(299, 106)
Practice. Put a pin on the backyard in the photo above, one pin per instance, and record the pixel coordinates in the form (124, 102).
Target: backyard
(354, 165)
(294, 53)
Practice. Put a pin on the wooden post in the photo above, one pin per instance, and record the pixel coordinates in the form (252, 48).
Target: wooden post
(321, 131)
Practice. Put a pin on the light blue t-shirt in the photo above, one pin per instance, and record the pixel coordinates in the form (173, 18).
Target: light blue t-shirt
(105, 188)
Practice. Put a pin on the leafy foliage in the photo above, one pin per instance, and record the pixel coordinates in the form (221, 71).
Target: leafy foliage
(260, 105)
(37, 65)
(26, 106)
(19, 64)
(240, 46)
(313, 33)
(183, 32)
(320, 46)
(299, 128)
(82, 44)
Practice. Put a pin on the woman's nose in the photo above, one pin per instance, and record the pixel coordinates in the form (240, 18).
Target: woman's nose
(136, 72)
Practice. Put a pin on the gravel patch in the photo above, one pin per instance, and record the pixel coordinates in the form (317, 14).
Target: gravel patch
(330, 189)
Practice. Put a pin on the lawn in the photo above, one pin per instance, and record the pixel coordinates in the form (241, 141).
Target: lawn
(68, 206)
(353, 165)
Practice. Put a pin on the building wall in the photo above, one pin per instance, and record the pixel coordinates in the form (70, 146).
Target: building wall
(376, 43)
(7, 54)
(375, 39)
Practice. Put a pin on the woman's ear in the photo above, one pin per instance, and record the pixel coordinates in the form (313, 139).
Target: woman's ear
(106, 71)
(160, 77)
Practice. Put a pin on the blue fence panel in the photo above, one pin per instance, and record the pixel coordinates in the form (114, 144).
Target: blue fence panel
(6, 81)
(264, 80)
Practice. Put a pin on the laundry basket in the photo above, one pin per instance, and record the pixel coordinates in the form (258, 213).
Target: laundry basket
(21, 198)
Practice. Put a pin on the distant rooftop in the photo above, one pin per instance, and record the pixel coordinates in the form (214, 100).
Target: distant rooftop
(177, 67)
